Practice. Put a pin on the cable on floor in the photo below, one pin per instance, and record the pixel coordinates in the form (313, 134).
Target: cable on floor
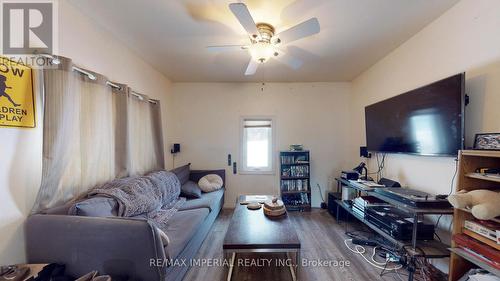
(358, 249)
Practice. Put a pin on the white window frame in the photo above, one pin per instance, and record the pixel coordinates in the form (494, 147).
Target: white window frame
(251, 171)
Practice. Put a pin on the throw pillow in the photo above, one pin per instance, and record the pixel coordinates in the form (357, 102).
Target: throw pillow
(190, 190)
(210, 182)
(95, 207)
(182, 173)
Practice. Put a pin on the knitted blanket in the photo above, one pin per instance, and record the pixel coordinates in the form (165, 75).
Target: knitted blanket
(156, 195)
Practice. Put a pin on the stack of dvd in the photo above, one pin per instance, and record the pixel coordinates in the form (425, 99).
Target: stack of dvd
(361, 203)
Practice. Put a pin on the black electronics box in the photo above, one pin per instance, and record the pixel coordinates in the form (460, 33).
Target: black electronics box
(397, 224)
(334, 209)
(414, 198)
(349, 175)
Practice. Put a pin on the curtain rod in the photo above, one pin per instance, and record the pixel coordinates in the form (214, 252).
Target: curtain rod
(141, 97)
(91, 76)
(82, 71)
(136, 94)
(113, 85)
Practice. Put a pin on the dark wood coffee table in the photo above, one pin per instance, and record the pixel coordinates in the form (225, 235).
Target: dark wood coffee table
(250, 231)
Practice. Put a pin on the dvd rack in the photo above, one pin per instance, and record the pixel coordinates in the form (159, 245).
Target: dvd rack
(295, 182)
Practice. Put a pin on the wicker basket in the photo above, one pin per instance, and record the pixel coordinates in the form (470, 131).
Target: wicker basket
(274, 208)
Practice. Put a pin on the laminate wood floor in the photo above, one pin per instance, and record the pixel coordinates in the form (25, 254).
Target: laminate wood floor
(321, 238)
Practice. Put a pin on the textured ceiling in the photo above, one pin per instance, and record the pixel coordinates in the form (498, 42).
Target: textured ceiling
(172, 34)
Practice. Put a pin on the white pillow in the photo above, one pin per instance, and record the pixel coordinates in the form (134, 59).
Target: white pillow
(210, 182)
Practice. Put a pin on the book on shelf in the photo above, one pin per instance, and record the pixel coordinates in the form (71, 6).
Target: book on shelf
(296, 200)
(487, 229)
(305, 198)
(295, 185)
(295, 171)
(481, 238)
(478, 249)
(481, 257)
(294, 159)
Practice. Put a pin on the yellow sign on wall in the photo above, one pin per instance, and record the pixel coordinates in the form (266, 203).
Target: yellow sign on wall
(17, 100)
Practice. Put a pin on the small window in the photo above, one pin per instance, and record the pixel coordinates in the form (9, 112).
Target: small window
(257, 145)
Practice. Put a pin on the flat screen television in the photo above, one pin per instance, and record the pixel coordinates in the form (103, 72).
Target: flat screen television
(425, 121)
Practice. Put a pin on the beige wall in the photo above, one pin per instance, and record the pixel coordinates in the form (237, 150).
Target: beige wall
(20, 165)
(313, 114)
(465, 38)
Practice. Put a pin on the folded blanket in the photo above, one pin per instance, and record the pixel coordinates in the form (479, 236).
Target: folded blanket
(156, 195)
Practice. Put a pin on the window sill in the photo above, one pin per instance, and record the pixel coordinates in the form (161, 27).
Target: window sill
(269, 173)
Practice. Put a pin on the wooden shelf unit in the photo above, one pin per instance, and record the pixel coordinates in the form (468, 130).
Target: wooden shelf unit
(290, 188)
(469, 160)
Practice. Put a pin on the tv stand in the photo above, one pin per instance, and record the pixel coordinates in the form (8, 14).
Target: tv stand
(416, 248)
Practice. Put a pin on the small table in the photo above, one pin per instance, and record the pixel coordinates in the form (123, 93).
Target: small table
(250, 231)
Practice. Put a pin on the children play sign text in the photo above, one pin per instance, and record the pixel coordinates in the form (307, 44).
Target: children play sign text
(17, 102)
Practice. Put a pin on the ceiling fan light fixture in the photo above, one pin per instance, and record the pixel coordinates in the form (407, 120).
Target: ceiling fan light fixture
(265, 44)
(261, 52)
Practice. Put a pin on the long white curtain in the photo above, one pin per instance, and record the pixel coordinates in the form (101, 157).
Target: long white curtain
(93, 133)
(144, 126)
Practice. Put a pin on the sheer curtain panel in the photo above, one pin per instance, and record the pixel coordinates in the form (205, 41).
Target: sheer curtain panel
(93, 132)
(144, 134)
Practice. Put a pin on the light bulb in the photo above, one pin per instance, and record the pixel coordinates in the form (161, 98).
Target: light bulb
(261, 51)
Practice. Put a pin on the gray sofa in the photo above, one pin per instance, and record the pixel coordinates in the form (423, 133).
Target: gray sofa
(125, 248)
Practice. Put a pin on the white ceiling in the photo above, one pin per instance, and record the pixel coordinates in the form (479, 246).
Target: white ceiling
(172, 34)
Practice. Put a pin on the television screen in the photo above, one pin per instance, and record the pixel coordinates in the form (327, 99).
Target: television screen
(425, 121)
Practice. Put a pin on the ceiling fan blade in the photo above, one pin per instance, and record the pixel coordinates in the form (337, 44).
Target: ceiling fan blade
(287, 59)
(301, 30)
(241, 12)
(252, 67)
(226, 48)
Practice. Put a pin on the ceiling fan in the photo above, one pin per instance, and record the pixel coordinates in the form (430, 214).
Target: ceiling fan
(264, 43)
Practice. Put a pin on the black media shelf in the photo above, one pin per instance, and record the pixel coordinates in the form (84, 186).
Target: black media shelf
(295, 180)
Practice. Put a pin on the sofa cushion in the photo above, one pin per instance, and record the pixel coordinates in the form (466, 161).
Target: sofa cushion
(207, 200)
(210, 182)
(182, 227)
(182, 173)
(95, 207)
(190, 190)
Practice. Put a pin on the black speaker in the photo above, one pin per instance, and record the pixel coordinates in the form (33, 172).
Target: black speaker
(176, 148)
(363, 152)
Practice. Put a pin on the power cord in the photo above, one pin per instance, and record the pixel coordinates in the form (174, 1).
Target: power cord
(360, 250)
(323, 203)
(320, 192)
(380, 166)
(451, 188)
